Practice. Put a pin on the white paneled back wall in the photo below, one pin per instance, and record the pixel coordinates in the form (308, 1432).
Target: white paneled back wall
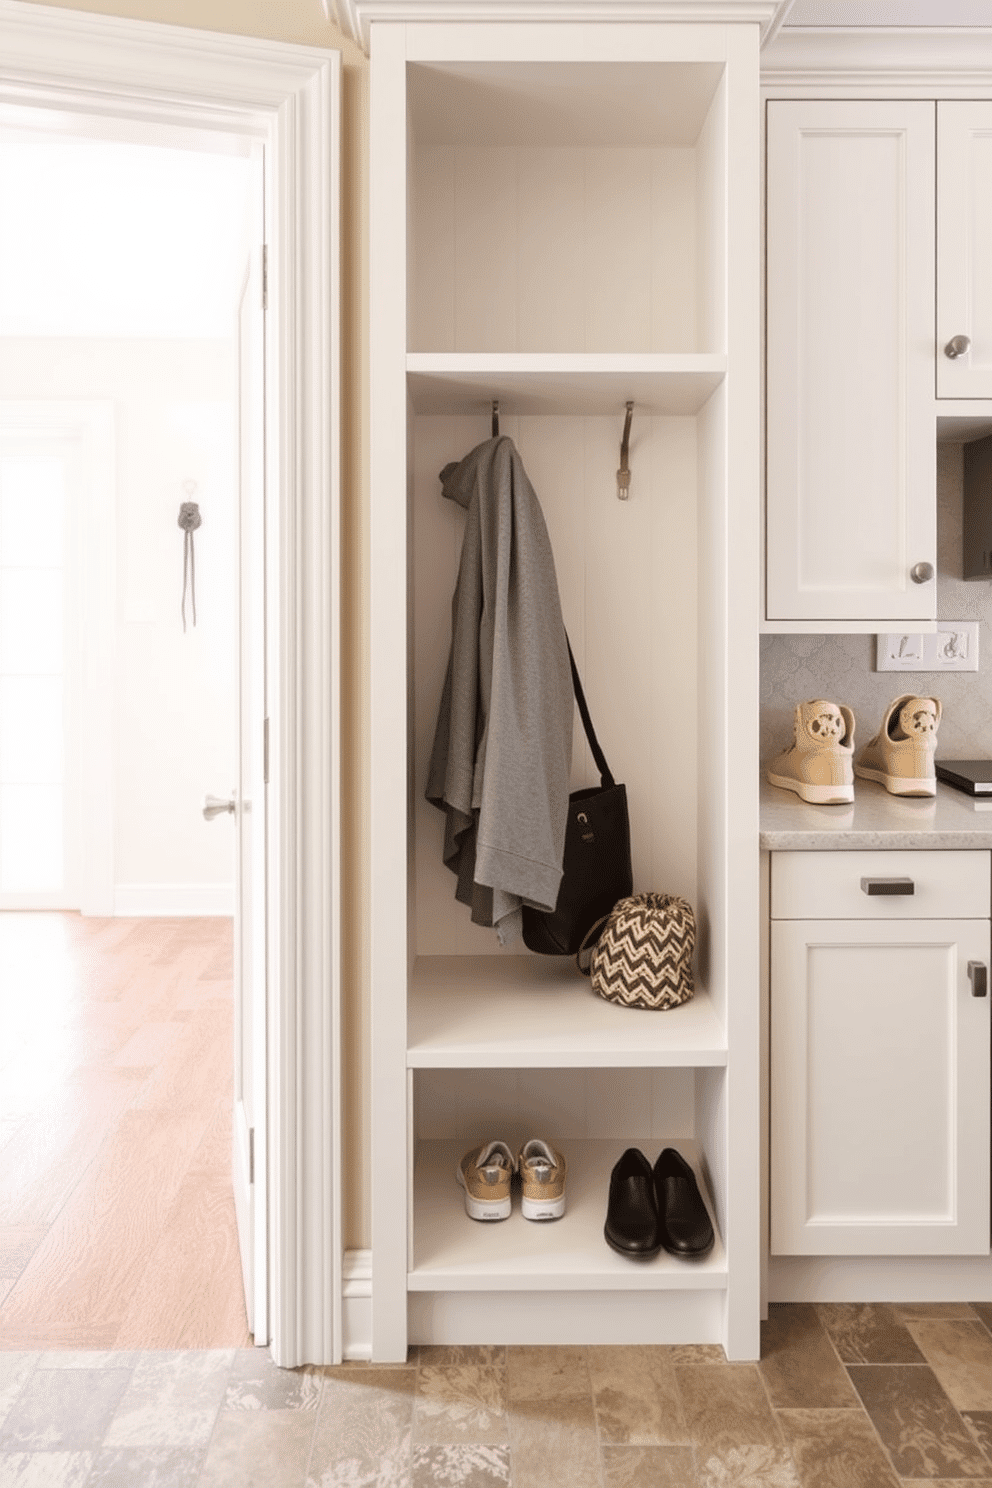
(627, 578)
(842, 667)
(556, 249)
(476, 1105)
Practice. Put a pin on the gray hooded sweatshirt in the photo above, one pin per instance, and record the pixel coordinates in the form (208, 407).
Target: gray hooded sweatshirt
(503, 746)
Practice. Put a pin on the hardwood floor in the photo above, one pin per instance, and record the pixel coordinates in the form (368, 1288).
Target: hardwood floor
(117, 1227)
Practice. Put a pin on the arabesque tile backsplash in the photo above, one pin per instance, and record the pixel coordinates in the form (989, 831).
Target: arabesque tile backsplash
(842, 667)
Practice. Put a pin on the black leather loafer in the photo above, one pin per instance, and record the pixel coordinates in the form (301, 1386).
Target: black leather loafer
(632, 1216)
(684, 1226)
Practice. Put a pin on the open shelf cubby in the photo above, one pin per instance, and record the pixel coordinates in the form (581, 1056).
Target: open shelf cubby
(579, 232)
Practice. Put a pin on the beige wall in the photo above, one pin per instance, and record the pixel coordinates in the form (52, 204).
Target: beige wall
(302, 21)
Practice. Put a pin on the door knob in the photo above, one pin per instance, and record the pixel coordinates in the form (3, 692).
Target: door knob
(214, 806)
(958, 346)
(921, 573)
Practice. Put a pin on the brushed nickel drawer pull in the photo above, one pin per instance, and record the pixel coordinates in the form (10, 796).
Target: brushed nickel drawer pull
(888, 886)
(979, 974)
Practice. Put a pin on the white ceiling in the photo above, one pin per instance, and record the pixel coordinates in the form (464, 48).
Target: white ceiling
(850, 13)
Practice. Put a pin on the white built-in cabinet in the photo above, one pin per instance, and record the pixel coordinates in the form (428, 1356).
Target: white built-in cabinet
(565, 218)
(879, 328)
(850, 496)
(964, 249)
(880, 1053)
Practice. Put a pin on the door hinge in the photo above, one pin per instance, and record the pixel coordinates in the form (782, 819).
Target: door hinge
(251, 1155)
(265, 751)
(265, 276)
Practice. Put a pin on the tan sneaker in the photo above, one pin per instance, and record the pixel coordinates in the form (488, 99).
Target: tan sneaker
(817, 765)
(486, 1175)
(542, 1174)
(900, 756)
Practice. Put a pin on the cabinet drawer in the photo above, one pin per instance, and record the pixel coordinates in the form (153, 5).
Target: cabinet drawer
(828, 885)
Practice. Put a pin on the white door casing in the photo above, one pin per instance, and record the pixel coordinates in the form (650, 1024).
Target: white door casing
(250, 814)
(288, 97)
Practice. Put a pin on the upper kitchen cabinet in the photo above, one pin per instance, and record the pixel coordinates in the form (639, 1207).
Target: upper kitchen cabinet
(851, 527)
(964, 250)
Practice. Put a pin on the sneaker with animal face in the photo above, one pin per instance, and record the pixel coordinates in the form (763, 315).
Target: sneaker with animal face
(817, 764)
(900, 756)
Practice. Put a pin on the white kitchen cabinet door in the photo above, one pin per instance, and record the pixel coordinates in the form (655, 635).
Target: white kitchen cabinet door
(849, 303)
(880, 1088)
(964, 249)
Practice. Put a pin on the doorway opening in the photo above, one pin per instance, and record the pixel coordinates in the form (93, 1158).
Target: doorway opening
(122, 399)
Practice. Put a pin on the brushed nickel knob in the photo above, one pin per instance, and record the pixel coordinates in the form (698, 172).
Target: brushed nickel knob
(921, 573)
(958, 346)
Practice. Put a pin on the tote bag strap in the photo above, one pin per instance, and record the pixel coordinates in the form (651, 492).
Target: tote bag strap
(606, 777)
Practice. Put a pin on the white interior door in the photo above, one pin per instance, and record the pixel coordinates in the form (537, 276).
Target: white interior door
(250, 1085)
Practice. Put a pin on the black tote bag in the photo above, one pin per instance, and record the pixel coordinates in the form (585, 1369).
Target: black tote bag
(597, 870)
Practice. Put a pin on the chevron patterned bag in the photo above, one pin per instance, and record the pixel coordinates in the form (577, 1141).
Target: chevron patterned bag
(640, 954)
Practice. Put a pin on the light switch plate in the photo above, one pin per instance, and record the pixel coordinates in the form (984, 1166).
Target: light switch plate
(952, 648)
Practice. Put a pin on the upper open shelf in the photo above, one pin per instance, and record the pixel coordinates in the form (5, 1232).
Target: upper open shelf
(464, 382)
(567, 207)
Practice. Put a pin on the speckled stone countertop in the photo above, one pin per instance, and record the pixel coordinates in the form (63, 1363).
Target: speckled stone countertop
(875, 820)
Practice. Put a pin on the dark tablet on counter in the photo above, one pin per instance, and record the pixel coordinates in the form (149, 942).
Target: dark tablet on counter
(971, 776)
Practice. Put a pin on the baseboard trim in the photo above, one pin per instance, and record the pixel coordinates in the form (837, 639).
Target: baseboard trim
(154, 900)
(934, 1279)
(356, 1306)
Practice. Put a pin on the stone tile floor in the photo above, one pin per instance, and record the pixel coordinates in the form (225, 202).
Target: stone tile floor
(844, 1397)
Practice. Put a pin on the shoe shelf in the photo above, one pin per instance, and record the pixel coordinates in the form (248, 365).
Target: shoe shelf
(454, 1253)
(540, 1012)
(575, 383)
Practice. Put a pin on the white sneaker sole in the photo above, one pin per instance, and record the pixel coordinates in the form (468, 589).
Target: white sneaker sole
(816, 795)
(484, 1209)
(898, 785)
(542, 1208)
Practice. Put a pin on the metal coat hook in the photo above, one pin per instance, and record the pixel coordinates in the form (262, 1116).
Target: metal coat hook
(495, 418)
(623, 474)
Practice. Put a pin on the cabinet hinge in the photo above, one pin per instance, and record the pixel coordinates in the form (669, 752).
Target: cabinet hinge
(265, 276)
(265, 751)
(251, 1155)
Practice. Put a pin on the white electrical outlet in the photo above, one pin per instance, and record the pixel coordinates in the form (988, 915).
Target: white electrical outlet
(952, 648)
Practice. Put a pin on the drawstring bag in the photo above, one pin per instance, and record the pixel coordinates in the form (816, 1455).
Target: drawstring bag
(640, 955)
(596, 864)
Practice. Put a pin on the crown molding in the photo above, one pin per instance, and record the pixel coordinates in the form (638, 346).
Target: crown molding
(889, 61)
(355, 17)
